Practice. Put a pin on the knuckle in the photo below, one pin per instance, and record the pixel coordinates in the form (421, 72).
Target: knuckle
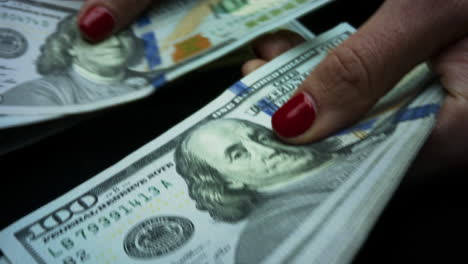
(345, 76)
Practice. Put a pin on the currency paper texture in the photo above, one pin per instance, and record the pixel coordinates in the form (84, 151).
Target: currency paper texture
(3, 260)
(220, 188)
(49, 69)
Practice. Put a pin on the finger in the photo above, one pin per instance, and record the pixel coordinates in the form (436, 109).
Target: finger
(98, 19)
(452, 67)
(252, 65)
(356, 74)
(271, 45)
(447, 144)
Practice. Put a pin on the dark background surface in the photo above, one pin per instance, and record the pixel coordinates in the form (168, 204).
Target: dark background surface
(424, 222)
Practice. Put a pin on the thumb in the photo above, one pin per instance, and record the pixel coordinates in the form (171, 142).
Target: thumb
(98, 19)
(355, 75)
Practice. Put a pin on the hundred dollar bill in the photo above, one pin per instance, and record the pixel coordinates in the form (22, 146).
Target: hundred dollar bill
(8, 80)
(220, 188)
(49, 69)
(10, 143)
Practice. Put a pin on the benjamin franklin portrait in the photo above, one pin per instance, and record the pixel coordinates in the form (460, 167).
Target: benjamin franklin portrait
(77, 72)
(236, 169)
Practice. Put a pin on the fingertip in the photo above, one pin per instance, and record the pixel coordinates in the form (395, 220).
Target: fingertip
(251, 66)
(271, 45)
(99, 19)
(96, 23)
(295, 117)
(309, 117)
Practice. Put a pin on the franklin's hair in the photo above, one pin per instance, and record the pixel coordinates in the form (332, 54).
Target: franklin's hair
(54, 53)
(208, 188)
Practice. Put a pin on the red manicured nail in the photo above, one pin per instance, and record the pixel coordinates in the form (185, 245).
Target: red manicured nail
(294, 117)
(97, 23)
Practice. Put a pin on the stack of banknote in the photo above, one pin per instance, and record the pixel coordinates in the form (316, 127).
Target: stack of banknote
(220, 188)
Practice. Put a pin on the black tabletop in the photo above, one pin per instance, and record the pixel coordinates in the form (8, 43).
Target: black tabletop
(424, 222)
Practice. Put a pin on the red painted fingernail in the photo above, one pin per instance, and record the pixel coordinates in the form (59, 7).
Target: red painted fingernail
(97, 23)
(295, 116)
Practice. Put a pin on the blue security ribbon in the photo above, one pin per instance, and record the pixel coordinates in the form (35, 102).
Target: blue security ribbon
(404, 115)
(409, 114)
(151, 49)
(417, 112)
(267, 106)
(240, 88)
(159, 81)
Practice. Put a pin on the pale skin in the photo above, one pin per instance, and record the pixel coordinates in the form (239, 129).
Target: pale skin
(397, 37)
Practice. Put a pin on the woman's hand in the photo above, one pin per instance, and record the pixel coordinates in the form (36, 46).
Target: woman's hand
(400, 35)
(99, 19)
